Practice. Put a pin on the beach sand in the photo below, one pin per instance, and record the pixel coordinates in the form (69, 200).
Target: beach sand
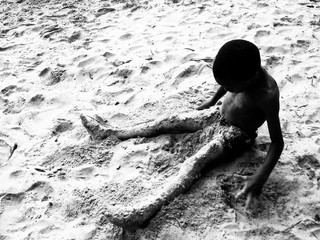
(132, 62)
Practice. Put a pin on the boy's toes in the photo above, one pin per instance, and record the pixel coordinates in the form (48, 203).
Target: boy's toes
(92, 127)
(83, 119)
(100, 120)
(97, 130)
(88, 123)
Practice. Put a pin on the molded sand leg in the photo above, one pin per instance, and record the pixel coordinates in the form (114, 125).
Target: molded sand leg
(183, 123)
(136, 216)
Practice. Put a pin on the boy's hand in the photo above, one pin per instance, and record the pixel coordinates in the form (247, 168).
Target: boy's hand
(205, 105)
(219, 94)
(251, 190)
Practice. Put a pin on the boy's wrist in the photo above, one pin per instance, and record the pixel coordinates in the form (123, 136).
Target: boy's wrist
(261, 177)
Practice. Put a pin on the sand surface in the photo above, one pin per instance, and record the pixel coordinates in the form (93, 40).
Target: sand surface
(132, 62)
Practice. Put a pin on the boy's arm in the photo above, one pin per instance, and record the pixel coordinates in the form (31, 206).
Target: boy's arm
(219, 94)
(254, 183)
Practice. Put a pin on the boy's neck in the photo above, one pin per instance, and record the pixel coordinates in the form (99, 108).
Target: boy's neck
(261, 80)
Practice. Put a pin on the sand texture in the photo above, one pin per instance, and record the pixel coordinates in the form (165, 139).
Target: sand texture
(132, 62)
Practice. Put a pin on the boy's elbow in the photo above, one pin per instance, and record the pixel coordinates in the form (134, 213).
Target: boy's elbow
(280, 145)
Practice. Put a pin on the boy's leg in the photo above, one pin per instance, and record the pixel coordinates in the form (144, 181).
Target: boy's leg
(184, 123)
(210, 154)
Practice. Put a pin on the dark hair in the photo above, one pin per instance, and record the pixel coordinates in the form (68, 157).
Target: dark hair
(237, 59)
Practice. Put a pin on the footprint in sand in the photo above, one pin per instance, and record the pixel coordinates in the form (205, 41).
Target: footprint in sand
(277, 50)
(85, 172)
(310, 164)
(44, 72)
(40, 190)
(17, 174)
(15, 104)
(13, 107)
(124, 73)
(273, 61)
(108, 55)
(11, 199)
(144, 69)
(103, 11)
(304, 44)
(150, 65)
(262, 33)
(118, 63)
(74, 37)
(78, 18)
(37, 99)
(8, 90)
(61, 126)
(126, 36)
(57, 75)
(49, 31)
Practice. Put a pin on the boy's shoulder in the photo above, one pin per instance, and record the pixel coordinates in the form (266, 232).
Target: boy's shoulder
(269, 93)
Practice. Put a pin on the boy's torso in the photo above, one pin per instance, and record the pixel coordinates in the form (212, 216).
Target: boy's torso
(246, 110)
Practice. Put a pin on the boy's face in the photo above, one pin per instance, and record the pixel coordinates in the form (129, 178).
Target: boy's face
(232, 85)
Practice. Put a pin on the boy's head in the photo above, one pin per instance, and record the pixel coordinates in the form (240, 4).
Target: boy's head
(237, 60)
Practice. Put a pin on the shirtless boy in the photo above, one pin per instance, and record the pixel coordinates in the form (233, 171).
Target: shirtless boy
(251, 98)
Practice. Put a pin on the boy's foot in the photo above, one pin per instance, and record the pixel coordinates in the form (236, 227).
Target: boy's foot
(96, 130)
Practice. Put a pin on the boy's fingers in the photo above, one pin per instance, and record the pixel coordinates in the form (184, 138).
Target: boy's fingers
(240, 177)
(249, 201)
(252, 203)
(238, 195)
(241, 193)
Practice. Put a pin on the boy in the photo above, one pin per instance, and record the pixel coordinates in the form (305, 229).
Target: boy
(251, 97)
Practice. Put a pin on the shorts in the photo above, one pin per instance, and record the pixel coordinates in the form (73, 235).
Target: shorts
(242, 141)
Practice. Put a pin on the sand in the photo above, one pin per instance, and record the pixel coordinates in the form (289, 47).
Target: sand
(132, 62)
